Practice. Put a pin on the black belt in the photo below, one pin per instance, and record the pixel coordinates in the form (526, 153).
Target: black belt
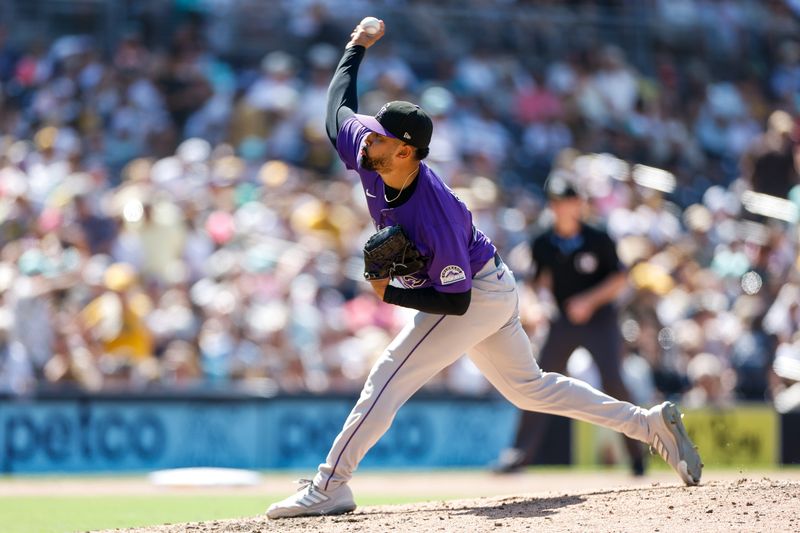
(497, 260)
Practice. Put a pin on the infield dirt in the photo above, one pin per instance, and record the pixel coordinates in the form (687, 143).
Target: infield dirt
(719, 505)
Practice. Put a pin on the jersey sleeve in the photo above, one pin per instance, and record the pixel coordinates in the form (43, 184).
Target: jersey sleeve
(449, 269)
(607, 253)
(348, 142)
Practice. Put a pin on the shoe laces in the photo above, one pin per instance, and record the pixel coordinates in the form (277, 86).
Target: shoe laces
(305, 484)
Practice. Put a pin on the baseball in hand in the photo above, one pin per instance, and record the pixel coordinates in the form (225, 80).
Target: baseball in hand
(371, 25)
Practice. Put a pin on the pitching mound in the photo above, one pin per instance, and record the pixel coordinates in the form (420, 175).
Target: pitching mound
(741, 505)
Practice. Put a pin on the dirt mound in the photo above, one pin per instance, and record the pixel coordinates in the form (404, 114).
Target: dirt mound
(740, 505)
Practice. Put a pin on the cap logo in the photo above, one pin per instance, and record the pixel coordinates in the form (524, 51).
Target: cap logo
(406, 136)
(380, 113)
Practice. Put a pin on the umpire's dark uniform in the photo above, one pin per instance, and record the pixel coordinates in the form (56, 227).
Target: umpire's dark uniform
(575, 265)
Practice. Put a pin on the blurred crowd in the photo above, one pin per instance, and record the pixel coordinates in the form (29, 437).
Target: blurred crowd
(172, 218)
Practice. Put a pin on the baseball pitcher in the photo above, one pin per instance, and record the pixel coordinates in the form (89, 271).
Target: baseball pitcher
(465, 295)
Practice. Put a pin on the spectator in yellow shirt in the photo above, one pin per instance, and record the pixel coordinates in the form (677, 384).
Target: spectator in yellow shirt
(114, 322)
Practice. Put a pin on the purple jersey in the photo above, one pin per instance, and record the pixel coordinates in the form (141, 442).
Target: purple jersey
(436, 221)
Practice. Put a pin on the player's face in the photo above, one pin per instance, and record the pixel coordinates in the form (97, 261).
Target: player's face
(378, 152)
(567, 210)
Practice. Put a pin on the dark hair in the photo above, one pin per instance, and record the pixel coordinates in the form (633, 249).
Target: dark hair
(421, 153)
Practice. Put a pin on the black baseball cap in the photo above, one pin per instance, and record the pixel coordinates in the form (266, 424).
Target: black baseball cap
(560, 184)
(401, 120)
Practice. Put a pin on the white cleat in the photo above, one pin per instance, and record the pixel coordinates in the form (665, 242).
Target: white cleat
(669, 438)
(313, 501)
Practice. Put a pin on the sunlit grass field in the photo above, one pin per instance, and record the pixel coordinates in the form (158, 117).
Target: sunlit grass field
(61, 514)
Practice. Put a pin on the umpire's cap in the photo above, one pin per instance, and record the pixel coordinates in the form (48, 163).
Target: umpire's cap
(560, 184)
(401, 120)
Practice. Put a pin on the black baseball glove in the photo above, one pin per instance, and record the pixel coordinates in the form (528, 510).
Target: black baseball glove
(390, 253)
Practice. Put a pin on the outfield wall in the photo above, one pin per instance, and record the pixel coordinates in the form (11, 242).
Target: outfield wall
(95, 434)
(102, 434)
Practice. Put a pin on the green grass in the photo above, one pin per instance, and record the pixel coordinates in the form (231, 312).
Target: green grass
(66, 514)
(60, 514)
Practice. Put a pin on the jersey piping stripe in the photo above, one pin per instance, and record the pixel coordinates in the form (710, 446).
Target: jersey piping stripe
(378, 397)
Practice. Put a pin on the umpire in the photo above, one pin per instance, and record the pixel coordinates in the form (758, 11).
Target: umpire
(578, 263)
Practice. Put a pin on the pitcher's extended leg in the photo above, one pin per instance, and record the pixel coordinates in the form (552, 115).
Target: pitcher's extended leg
(506, 360)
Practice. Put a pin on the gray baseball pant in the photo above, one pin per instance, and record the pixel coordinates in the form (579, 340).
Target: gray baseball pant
(602, 338)
(491, 335)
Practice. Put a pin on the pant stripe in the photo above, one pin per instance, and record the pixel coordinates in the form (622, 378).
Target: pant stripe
(377, 397)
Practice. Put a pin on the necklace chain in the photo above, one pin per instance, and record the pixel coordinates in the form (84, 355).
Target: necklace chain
(401, 188)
